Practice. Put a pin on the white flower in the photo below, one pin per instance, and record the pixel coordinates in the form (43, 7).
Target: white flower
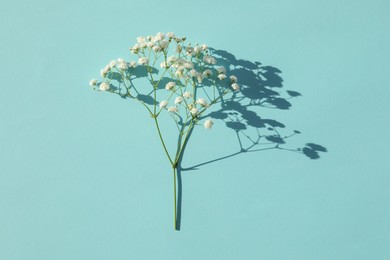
(199, 77)
(204, 46)
(170, 34)
(143, 61)
(193, 72)
(179, 48)
(93, 82)
(189, 50)
(207, 73)
(222, 76)
(104, 86)
(135, 48)
(143, 45)
(104, 71)
(187, 94)
(235, 86)
(194, 111)
(122, 65)
(157, 48)
(164, 44)
(150, 44)
(178, 39)
(119, 60)
(163, 104)
(172, 59)
(173, 109)
(209, 59)
(159, 36)
(163, 65)
(112, 64)
(208, 124)
(221, 70)
(170, 85)
(197, 49)
(189, 65)
(233, 79)
(133, 64)
(178, 100)
(202, 102)
(141, 39)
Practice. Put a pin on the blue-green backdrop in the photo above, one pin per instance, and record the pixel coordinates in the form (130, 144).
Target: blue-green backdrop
(83, 175)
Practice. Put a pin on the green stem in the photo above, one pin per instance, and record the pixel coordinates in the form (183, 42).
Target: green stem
(162, 140)
(174, 197)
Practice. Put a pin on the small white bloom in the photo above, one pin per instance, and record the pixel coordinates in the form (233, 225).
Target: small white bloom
(170, 34)
(221, 70)
(193, 72)
(179, 48)
(143, 45)
(172, 59)
(163, 65)
(164, 44)
(235, 86)
(199, 77)
(133, 64)
(194, 111)
(163, 104)
(189, 50)
(202, 102)
(208, 124)
(119, 60)
(178, 39)
(135, 48)
(197, 49)
(112, 64)
(159, 36)
(141, 39)
(170, 85)
(233, 79)
(143, 61)
(178, 100)
(189, 65)
(150, 44)
(187, 94)
(173, 109)
(93, 82)
(157, 48)
(104, 86)
(104, 71)
(122, 65)
(209, 59)
(222, 76)
(204, 46)
(207, 73)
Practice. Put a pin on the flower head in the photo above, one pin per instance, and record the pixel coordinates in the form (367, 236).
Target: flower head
(233, 79)
(221, 70)
(173, 109)
(194, 111)
(202, 102)
(143, 61)
(221, 76)
(209, 59)
(123, 66)
(187, 94)
(163, 104)
(104, 86)
(235, 86)
(170, 85)
(178, 100)
(133, 64)
(93, 82)
(208, 124)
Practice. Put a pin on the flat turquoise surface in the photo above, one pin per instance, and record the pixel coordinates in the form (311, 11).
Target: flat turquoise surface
(83, 175)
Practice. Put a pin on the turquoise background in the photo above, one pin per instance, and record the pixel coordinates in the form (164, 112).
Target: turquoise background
(82, 173)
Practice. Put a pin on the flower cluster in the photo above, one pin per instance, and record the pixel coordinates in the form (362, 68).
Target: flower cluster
(191, 69)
